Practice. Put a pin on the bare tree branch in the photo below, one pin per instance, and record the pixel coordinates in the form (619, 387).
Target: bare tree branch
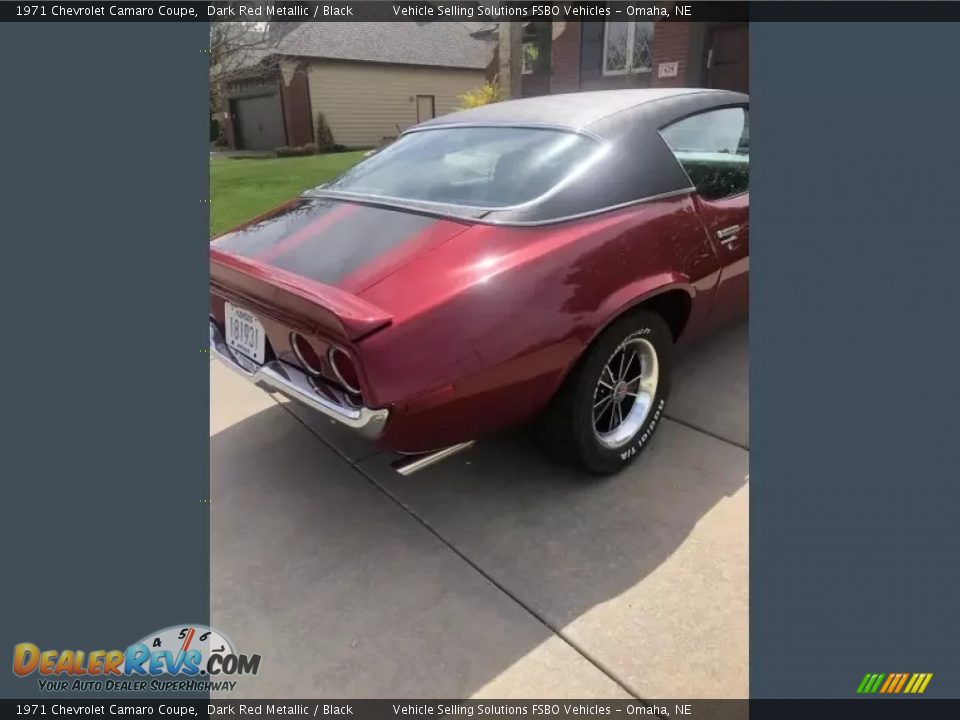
(236, 49)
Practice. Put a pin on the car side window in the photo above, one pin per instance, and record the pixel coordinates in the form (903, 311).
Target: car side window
(714, 149)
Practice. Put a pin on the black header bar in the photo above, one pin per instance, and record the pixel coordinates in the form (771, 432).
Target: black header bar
(486, 10)
(872, 709)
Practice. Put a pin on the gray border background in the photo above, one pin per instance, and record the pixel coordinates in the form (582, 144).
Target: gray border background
(853, 346)
(854, 490)
(104, 295)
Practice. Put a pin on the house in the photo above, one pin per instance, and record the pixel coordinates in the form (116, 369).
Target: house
(564, 57)
(369, 80)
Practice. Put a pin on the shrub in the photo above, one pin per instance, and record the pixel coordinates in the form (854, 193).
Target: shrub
(324, 134)
(298, 151)
(484, 94)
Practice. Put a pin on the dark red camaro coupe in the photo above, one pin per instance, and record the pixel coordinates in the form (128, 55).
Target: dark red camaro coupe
(531, 258)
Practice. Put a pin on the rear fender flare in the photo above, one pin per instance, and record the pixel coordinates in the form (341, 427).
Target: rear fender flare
(624, 301)
(633, 295)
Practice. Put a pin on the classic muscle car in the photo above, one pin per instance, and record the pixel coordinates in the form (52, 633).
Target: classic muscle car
(530, 259)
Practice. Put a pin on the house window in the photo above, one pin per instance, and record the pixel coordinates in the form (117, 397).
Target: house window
(531, 52)
(627, 47)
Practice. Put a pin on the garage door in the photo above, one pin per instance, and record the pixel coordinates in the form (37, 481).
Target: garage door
(259, 121)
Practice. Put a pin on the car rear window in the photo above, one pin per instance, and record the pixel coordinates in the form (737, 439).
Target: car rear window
(489, 167)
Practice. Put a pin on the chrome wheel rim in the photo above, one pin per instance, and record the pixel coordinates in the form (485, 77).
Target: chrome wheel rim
(624, 393)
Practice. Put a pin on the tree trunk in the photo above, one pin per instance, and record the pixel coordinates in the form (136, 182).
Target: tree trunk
(510, 48)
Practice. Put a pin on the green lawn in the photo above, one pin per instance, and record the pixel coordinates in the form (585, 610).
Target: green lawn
(242, 188)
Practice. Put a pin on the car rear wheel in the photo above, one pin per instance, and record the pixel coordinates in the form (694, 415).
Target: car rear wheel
(613, 401)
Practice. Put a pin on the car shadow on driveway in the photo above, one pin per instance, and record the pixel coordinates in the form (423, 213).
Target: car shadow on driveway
(454, 581)
(711, 384)
(344, 594)
(616, 565)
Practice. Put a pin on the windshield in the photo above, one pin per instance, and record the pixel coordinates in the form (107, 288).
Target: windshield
(488, 167)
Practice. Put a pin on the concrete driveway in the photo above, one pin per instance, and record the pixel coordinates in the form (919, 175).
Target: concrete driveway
(494, 574)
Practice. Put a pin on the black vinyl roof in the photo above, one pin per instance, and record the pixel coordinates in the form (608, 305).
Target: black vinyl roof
(593, 111)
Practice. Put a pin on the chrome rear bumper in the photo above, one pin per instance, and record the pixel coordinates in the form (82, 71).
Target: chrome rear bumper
(293, 383)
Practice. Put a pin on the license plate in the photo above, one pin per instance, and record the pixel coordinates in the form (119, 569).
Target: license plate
(245, 333)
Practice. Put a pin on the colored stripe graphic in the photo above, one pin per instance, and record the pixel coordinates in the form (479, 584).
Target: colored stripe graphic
(291, 241)
(870, 683)
(894, 683)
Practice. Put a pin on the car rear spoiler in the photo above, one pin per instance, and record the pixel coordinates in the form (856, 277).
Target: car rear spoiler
(299, 302)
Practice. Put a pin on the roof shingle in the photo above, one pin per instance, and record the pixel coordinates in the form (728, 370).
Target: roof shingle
(440, 44)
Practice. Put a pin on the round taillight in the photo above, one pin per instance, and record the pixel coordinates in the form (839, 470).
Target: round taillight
(344, 369)
(305, 354)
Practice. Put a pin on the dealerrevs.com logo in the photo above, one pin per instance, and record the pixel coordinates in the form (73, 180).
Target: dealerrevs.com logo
(184, 658)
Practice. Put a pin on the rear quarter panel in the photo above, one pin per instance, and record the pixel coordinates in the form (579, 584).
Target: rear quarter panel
(487, 325)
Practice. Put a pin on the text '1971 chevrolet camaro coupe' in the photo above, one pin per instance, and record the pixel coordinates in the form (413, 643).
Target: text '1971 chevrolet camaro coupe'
(534, 258)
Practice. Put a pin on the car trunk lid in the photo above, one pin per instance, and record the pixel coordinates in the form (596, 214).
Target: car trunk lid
(299, 303)
(343, 245)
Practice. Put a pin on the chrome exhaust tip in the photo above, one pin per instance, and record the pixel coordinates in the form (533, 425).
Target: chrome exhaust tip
(415, 463)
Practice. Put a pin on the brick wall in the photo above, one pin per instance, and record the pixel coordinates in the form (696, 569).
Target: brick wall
(296, 104)
(671, 43)
(565, 59)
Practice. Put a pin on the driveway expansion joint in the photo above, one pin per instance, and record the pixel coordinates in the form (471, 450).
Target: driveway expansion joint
(600, 666)
(709, 433)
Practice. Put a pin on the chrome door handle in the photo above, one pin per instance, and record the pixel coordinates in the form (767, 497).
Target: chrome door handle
(728, 235)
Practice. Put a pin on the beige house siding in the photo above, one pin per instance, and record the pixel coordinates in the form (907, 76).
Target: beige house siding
(364, 102)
